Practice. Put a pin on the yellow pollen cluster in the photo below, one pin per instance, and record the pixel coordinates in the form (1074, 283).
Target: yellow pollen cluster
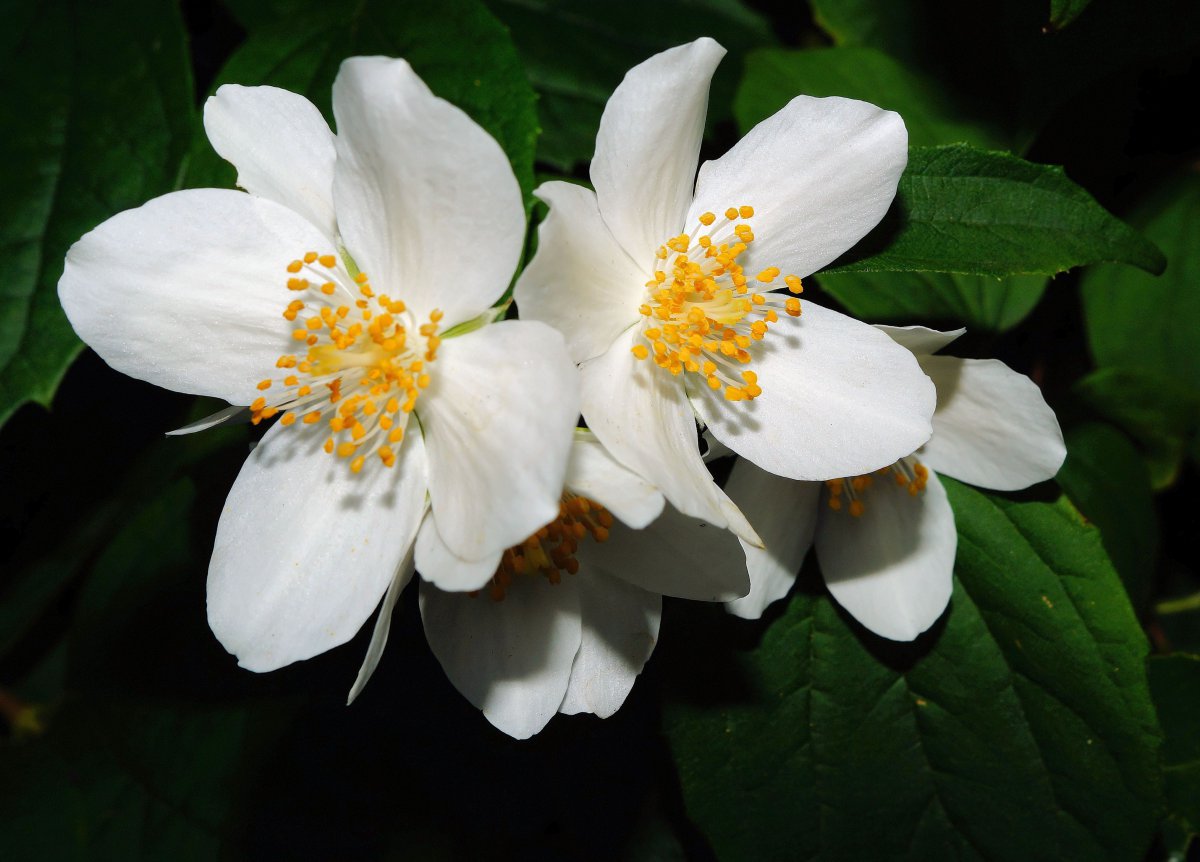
(846, 494)
(702, 314)
(551, 550)
(358, 373)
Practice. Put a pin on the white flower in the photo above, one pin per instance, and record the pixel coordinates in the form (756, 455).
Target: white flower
(645, 279)
(886, 542)
(258, 299)
(572, 614)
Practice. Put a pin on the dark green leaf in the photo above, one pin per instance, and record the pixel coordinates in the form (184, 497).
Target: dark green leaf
(1063, 12)
(96, 111)
(976, 301)
(463, 53)
(1139, 322)
(577, 54)
(1013, 731)
(959, 209)
(773, 77)
(1108, 481)
(1175, 684)
(1158, 412)
(891, 27)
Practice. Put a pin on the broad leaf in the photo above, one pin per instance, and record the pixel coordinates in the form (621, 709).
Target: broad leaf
(1063, 12)
(96, 108)
(463, 53)
(959, 209)
(978, 302)
(1138, 322)
(1175, 684)
(1012, 731)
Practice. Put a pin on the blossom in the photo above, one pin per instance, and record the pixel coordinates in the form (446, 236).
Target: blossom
(887, 541)
(662, 283)
(570, 617)
(349, 295)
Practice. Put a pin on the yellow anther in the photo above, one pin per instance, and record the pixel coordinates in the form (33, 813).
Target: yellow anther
(856, 508)
(264, 384)
(768, 275)
(792, 307)
(328, 261)
(295, 266)
(396, 435)
(314, 416)
(793, 284)
(731, 213)
(287, 419)
(746, 211)
(328, 288)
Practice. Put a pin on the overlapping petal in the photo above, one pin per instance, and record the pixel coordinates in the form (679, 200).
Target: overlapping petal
(306, 548)
(992, 427)
(921, 340)
(281, 146)
(648, 143)
(426, 200)
(839, 399)
(593, 473)
(445, 569)
(820, 173)
(187, 291)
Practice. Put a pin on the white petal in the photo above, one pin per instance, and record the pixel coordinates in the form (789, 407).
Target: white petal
(641, 415)
(677, 555)
(839, 398)
(426, 200)
(383, 626)
(891, 568)
(498, 420)
(444, 569)
(992, 427)
(593, 473)
(580, 281)
(820, 173)
(784, 512)
(188, 290)
(281, 146)
(305, 548)
(648, 143)
(921, 340)
(211, 421)
(620, 629)
(511, 658)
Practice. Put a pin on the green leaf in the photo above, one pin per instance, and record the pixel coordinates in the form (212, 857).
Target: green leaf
(773, 77)
(1138, 322)
(463, 53)
(1013, 731)
(1063, 12)
(1109, 482)
(1158, 412)
(96, 108)
(577, 54)
(888, 26)
(975, 301)
(959, 209)
(1175, 684)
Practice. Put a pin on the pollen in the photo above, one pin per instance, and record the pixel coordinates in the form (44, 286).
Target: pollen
(848, 494)
(361, 378)
(700, 315)
(550, 552)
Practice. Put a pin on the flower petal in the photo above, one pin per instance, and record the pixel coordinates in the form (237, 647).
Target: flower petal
(992, 427)
(839, 398)
(593, 473)
(677, 555)
(446, 570)
(188, 290)
(212, 421)
(498, 420)
(648, 143)
(281, 146)
(819, 174)
(620, 629)
(580, 281)
(383, 626)
(891, 568)
(305, 548)
(784, 512)
(921, 340)
(426, 200)
(641, 415)
(511, 658)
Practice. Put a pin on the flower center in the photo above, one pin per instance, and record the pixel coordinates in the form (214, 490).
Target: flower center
(701, 315)
(551, 550)
(360, 373)
(847, 494)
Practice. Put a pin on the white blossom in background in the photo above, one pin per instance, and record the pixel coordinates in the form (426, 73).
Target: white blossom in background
(347, 295)
(663, 282)
(886, 541)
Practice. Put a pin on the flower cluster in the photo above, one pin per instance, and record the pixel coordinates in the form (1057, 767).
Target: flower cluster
(353, 297)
